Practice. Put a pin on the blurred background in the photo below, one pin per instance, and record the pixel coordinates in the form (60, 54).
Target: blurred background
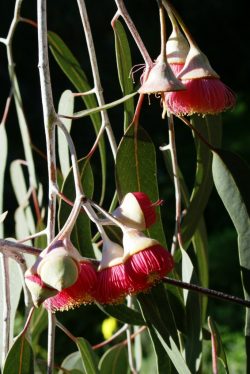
(221, 30)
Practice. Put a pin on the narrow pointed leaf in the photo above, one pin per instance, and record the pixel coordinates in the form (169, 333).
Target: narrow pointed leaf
(218, 346)
(89, 358)
(136, 158)
(38, 323)
(115, 360)
(66, 107)
(73, 363)
(210, 129)
(123, 314)
(124, 67)
(231, 177)
(3, 216)
(72, 69)
(88, 112)
(81, 235)
(20, 357)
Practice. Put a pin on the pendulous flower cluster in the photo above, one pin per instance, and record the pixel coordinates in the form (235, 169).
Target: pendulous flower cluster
(186, 80)
(62, 279)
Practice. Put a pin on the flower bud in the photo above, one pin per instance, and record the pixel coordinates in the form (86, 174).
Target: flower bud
(39, 291)
(59, 267)
(177, 47)
(136, 211)
(161, 79)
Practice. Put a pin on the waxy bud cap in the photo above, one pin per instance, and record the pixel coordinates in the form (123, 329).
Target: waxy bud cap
(39, 291)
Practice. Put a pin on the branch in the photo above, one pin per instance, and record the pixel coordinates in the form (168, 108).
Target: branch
(95, 71)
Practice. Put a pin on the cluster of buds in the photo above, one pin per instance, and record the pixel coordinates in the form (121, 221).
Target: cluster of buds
(62, 279)
(187, 81)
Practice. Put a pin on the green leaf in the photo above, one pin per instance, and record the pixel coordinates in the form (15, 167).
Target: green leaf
(115, 360)
(39, 323)
(231, 177)
(136, 158)
(210, 128)
(193, 343)
(73, 363)
(217, 343)
(112, 104)
(72, 69)
(3, 216)
(66, 107)
(3, 155)
(20, 357)
(81, 235)
(89, 358)
(175, 355)
(124, 67)
(123, 314)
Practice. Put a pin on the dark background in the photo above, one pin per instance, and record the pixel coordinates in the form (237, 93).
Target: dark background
(220, 29)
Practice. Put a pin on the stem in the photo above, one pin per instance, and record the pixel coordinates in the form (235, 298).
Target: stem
(51, 342)
(173, 153)
(9, 247)
(171, 10)
(125, 15)
(50, 119)
(129, 340)
(206, 291)
(66, 331)
(163, 55)
(96, 77)
(114, 336)
(6, 307)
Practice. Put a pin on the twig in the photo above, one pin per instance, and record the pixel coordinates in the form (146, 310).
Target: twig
(6, 307)
(96, 77)
(129, 342)
(207, 291)
(172, 147)
(7, 246)
(50, 119)
(122, 11)
(113, 337)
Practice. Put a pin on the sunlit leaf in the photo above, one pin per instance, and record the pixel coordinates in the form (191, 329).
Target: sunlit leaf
(115, 360)
(20, 357)
(66, 107)
(231, 177)
(3, 216)
(73, 363)
(89, 358)
(72, 69)
(210, 128)
(217, 345)
(124, 66)
(123, 314)
(81, 234)
(136, 158)
(193, 346)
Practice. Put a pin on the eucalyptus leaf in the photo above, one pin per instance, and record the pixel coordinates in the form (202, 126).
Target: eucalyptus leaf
(136, 158)
(66, 107)
(114, 360)
(3, 216)
(210, 128)
(89, 358)
(39, 323)
(20, 357)
(217, 343)
(124, 68)
(81, 235)
(123, 314)
(231, 177)
(73, 363)
(72, 69)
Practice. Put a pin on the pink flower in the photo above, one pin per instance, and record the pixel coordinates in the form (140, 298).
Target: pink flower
(146, 261)
(81, 292)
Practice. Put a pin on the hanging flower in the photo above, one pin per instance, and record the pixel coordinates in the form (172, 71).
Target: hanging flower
(81, 292)
(113, 283)
(205, 93)
(146, 261)
(136, 211)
